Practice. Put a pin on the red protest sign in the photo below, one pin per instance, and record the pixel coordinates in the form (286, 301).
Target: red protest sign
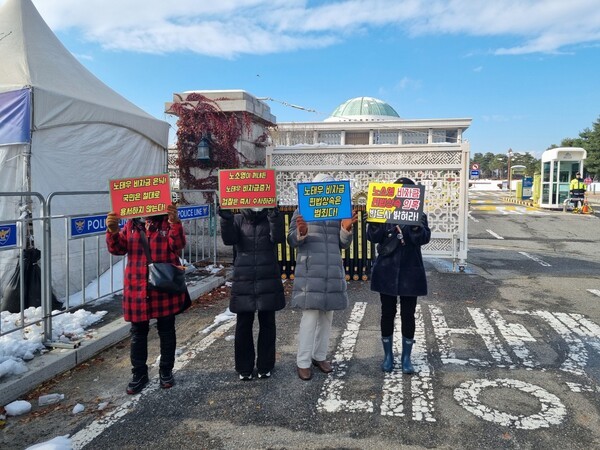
(247, 188)
(141, 196)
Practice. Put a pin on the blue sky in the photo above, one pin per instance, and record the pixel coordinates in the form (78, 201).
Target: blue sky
(527, 72)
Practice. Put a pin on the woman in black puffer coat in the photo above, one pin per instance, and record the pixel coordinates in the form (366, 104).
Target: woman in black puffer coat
(256, 285)
(399, 273)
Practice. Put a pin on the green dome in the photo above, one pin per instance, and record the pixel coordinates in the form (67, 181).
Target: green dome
(363, 109)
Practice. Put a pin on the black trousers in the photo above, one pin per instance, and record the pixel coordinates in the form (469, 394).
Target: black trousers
(244, 342)
(139, 344)
(407, 314)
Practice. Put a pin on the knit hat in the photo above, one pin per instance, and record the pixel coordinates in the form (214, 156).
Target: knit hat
(322, 177)
(404, 180)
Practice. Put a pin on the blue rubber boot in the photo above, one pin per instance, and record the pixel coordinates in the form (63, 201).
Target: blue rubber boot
(388, 360)
(407, 345)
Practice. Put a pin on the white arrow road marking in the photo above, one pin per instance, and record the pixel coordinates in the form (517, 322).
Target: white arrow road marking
(494, 234)
(97, 427)
(594, 291)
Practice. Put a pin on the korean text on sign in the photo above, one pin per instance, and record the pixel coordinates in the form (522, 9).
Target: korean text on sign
(142, 196)
(247, 188)
(330, 200)
(395, 203)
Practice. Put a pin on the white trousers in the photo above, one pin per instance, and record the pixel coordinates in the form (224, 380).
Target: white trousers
(313, 337)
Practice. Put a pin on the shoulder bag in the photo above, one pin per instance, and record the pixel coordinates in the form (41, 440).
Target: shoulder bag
(163, 277)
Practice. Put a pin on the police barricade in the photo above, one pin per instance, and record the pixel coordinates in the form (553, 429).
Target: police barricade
(21, 262)
(75, 267)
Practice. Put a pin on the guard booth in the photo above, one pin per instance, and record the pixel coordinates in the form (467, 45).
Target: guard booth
(559, 166)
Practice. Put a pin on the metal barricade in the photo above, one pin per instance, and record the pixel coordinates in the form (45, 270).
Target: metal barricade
(75, 263)
(15, 240)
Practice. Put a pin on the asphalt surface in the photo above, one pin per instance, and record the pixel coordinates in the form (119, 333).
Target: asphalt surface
(508, 353)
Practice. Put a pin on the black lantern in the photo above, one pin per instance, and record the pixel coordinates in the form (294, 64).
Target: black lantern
(203, 149)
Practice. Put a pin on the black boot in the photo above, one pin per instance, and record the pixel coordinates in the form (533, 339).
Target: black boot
(137, 383)
(138, 355)
(168, 346)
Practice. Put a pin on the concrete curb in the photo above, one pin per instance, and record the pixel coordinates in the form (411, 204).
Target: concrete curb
(44, 367)
(519, 202)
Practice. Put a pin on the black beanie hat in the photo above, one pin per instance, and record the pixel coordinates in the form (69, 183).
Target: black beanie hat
(404, 180)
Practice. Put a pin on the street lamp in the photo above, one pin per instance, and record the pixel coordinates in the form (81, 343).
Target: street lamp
(203, 149)
(509, 154)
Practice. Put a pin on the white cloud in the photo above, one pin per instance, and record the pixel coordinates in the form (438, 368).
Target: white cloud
(407, 83)
(478, 69)
(227, 28)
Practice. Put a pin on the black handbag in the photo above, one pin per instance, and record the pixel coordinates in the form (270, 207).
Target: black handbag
(163, 277)
(390, 243)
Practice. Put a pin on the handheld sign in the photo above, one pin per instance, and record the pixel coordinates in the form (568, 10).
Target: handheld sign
(247, 188)
(395, 203)
(329, 200)
(141, 196)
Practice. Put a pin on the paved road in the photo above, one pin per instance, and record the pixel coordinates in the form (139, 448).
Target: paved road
(508, 353)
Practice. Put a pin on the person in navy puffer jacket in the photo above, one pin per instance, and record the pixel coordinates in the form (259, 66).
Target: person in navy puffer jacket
(399, 272)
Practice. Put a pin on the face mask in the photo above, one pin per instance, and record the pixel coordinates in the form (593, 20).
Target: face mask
(256, 209)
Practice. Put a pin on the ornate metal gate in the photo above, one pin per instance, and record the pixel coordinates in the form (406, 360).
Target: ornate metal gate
(441, 168)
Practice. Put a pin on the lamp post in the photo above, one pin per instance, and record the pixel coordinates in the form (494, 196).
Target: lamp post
(509, 154)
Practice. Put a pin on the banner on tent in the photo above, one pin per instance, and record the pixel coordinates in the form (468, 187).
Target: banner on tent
(15, 117)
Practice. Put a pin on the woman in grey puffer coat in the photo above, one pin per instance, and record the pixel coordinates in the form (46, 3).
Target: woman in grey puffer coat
(256, 285)
(319, 283)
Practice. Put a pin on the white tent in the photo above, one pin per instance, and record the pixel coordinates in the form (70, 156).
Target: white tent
(62, 129)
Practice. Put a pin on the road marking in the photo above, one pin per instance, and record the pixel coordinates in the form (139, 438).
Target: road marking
(536, 259)
(552, 409)
(472, 218)
(515, 335)
(494, 234)
(330, 399)
(484, 328)
(443, 334)
(594, 291)
(421, 384)
(97, 427)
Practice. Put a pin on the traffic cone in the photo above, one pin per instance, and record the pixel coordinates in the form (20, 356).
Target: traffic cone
(585, 209)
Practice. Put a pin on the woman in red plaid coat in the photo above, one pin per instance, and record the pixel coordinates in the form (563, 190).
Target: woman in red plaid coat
(166, 239)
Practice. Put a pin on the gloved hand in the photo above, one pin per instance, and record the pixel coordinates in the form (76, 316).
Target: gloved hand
(112, 222)
(224, 213)
(347, 223)
(273, 212)
(172, 213)
(301, 225)
(421, 225)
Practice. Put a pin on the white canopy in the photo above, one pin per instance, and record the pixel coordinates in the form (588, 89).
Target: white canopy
(80, 132)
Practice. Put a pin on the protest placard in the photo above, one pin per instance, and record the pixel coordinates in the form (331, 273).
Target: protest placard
(395, 203)
(247, 188)
(331, 200)
(140, 196)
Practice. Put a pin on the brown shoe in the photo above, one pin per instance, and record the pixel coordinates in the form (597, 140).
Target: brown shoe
(324, 366)
(305, 374)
